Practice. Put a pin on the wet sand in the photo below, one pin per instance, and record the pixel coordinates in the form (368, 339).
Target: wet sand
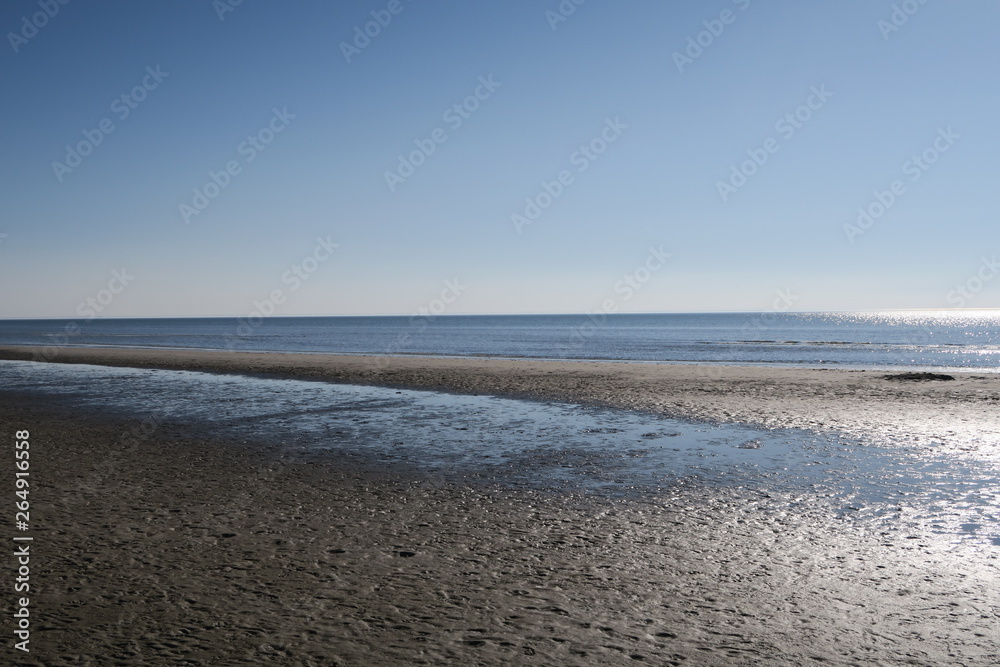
(171, 549)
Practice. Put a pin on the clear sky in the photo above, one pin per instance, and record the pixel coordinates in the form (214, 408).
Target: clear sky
(738, 137)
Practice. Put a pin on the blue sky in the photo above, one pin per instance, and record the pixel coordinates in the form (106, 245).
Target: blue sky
(869, 97)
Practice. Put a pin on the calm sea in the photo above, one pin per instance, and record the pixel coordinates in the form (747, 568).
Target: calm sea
(913, 339)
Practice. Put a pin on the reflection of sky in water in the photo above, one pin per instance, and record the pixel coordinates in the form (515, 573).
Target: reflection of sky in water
(547, 445)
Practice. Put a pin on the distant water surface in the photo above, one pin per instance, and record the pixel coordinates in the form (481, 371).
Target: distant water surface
(967, 340)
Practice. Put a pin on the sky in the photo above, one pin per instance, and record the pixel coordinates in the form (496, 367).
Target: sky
(199, 158)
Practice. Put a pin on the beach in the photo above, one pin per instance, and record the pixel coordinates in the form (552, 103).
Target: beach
(499, 334)
(171, 548)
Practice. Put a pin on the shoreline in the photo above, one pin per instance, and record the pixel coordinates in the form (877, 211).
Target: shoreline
(569, 360)
(14, 347)
(853, 402)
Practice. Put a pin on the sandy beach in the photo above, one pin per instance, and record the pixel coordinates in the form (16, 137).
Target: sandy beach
(575, 333)
(173, 549)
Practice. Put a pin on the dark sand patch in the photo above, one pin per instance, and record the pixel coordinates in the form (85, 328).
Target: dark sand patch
(919, 377)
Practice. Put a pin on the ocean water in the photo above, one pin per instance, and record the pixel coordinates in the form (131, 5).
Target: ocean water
(949, 489)
(967, 340)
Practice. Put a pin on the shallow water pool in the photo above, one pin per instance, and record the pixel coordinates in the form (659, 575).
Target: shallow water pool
(448, 438)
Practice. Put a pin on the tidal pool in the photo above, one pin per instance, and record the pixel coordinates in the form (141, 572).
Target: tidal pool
(446, 438)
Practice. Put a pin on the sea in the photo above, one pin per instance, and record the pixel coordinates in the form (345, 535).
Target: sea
(915, 340)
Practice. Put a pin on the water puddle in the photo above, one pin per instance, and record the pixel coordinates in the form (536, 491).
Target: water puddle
(542, 445)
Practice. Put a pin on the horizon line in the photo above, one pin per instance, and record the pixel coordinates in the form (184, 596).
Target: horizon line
(584, 314)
